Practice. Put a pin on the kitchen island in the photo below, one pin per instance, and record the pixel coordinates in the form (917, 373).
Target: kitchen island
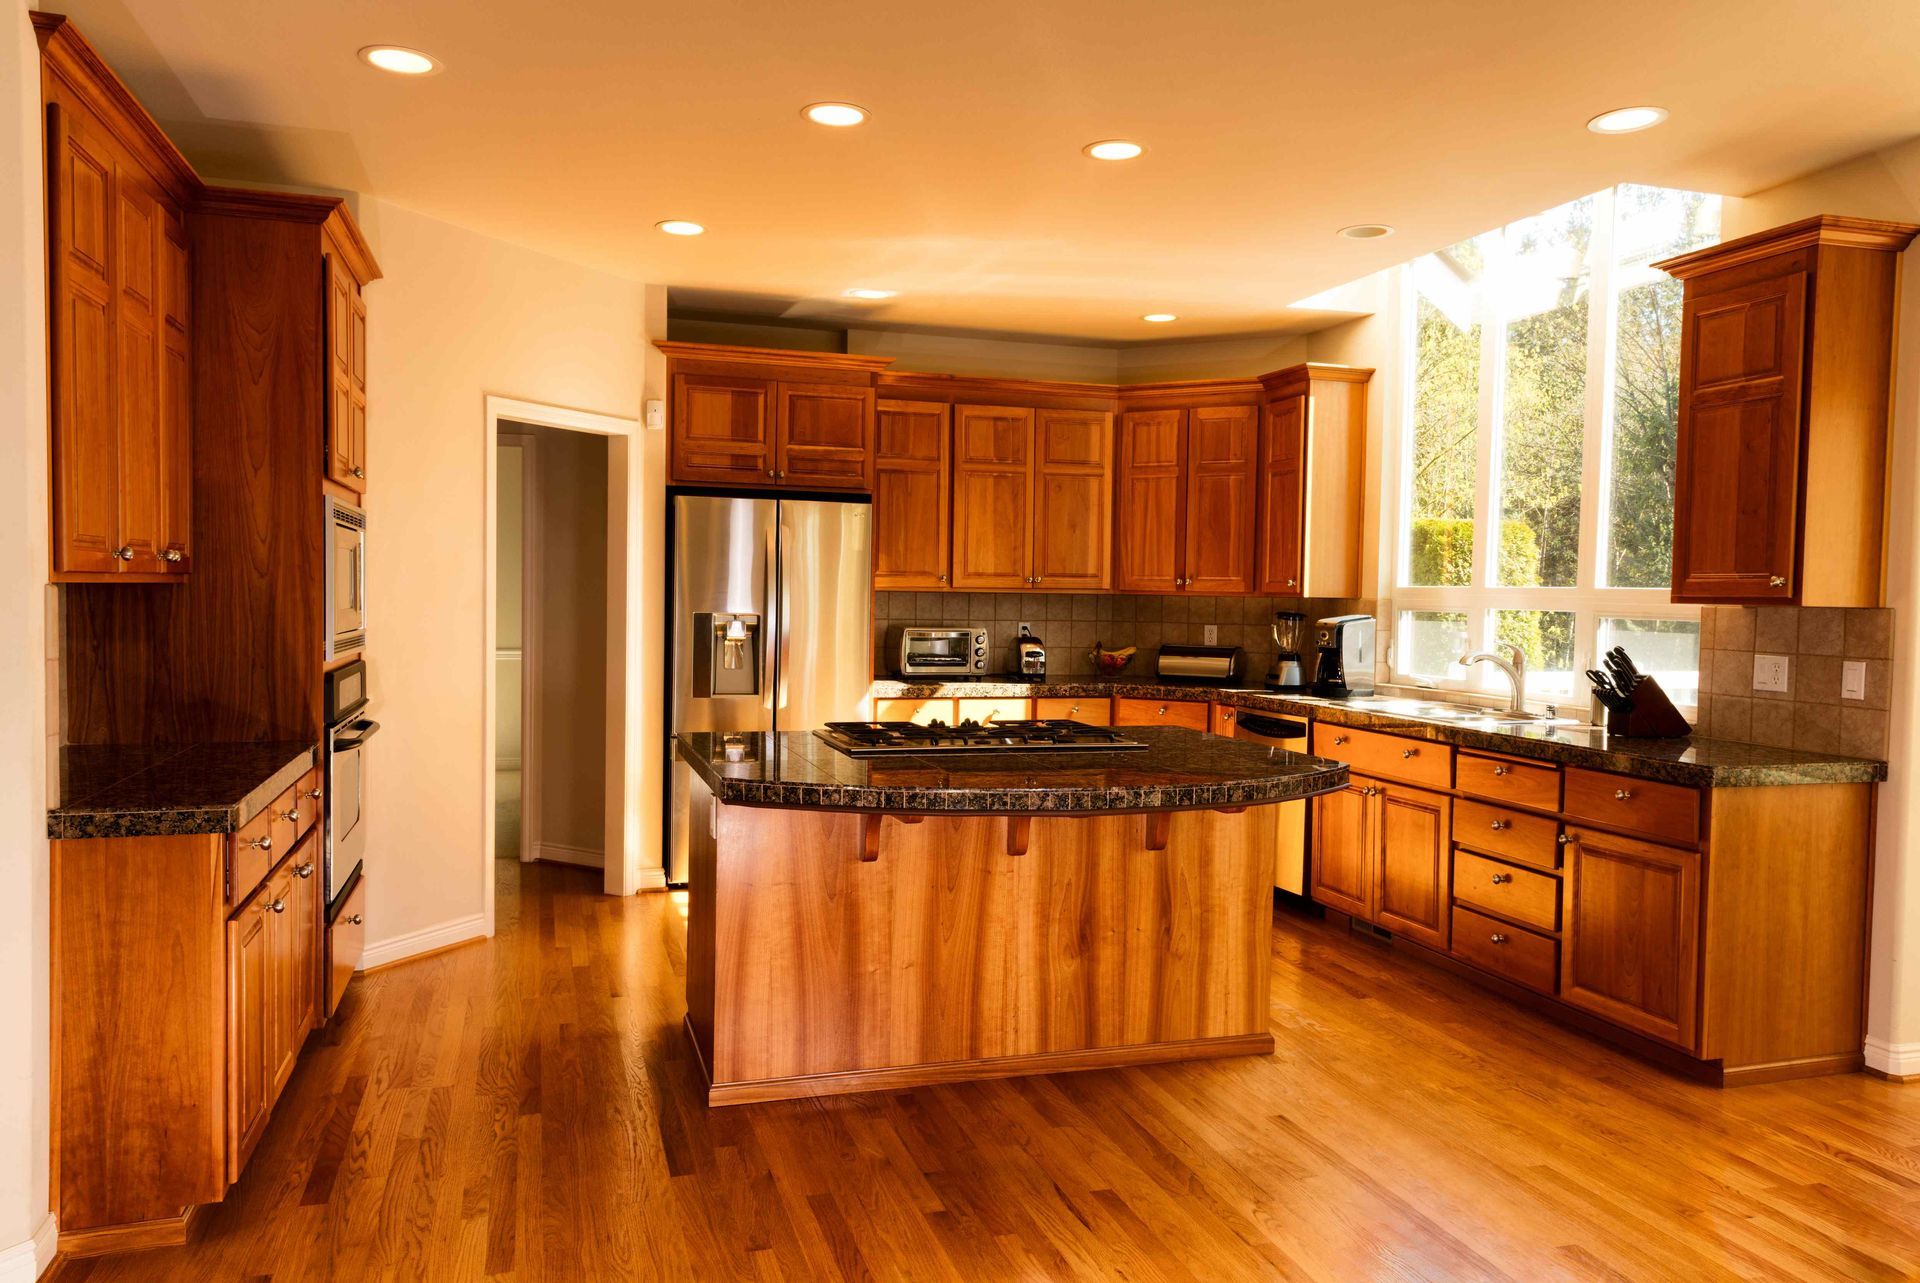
(865, 923)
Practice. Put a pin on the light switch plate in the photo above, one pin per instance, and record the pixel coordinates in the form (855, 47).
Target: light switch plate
(1210, 635)
(1853, 679)
(657, 415)
(1770, 673)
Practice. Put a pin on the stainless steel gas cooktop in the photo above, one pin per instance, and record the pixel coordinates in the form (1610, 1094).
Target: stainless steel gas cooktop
(879, 739)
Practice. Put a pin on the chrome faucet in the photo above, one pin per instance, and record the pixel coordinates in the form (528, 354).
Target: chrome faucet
(1515, 668)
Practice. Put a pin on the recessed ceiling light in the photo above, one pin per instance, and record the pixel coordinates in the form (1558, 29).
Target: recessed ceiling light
(399, 60)
(837, 114)
(1627, 120)
(871, 295)
(1159, 318)
(1113, 149)
(1366, 231)
(680, 227)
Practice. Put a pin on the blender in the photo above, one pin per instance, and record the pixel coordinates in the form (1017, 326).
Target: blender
(1286, 675)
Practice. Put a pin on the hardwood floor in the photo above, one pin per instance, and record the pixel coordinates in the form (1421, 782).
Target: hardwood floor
(525, 1109)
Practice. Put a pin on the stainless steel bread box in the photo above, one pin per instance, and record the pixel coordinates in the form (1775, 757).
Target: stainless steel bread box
(1219, 664)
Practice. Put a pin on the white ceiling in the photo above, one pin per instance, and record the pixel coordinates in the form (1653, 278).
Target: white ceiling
(574, 128)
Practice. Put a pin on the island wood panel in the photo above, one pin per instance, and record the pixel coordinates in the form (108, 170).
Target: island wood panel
(948, 949)
(139, 1124)
(1072, 499)
(232, 652)
(992, 496)
(912, 495)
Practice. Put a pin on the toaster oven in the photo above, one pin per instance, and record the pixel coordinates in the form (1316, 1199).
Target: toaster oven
(942, 652)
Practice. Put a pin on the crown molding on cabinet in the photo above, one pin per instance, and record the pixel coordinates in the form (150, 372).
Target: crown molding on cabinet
(728, 354)
(1821, 229)
(297, 207)
(91, 80)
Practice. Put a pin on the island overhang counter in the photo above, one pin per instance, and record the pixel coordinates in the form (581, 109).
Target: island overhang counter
(860, 924)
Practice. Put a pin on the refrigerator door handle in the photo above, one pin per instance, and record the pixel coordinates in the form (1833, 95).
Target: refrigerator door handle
(770, 673)
(781, 610)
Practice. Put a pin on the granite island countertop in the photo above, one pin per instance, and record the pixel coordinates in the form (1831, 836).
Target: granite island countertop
(1694, 760)
(1178, 770)
(122, 791)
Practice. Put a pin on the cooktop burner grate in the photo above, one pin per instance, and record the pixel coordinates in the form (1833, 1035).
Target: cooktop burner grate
(872, 739)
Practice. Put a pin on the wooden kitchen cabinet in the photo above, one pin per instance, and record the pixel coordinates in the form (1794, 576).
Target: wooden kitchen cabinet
(1381, 853)
(119, 325)
(912, 495)
(1632, 915)
(992, 497)
(1312, 475)
(823, 436)
(346, 319)
(1222, 442)
(1150, 508)
(722, 430)
(251, 1026)
(1072, 499)
(1343, 869)
(1786, 352)
(1193, 714)
(1186, 495)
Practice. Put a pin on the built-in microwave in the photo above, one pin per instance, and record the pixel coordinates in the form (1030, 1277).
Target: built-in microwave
(346, 578)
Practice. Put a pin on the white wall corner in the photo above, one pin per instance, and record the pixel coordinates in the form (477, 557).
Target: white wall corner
(560, 853)
(1895, 1059)
(414, 943)
(26, 1261)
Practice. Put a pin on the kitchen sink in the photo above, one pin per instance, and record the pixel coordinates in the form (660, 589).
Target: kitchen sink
(1458, 714)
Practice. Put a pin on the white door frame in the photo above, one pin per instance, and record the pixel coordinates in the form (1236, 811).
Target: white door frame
(625, 679)
(528, 446)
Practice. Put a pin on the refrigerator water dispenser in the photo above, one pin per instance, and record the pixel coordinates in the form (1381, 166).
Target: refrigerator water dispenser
(726, 659)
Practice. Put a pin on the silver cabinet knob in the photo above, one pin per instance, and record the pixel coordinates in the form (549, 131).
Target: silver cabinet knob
(1623, 795)
(1501, 879)
(291, 817)
(354, 920)
(304, 871)
(360, 472)
(1501, 826)
(1502, 770)
(124, 552)
(1338, 740)
(943, 579)
(1293, 583)
(1564, 839)
(770, 474)
(1498, 937)
(1409, 752)
(171, 554)
(1778, 581)
(261, 844)
(274, 906)
(314, 794)
(780, 475)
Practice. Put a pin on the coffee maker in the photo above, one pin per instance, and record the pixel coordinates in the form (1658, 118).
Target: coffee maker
(1345, 665)
(1033, 654)
(1287, 673)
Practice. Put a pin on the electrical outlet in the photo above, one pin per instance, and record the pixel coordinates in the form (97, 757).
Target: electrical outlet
(1853, 679)
(1770, 673)
(1022, 629)
(1210, 635)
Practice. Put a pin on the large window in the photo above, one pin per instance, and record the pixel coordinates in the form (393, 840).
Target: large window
(1536, 479)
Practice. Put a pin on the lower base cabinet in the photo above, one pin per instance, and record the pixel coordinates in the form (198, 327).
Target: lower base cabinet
(1633, 926)
(1380, 853)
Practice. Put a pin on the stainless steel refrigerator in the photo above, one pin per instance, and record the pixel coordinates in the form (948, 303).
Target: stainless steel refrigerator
(772, 622)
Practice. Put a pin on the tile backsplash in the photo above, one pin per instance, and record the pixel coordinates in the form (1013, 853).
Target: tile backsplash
(1809, 714)
(1070, 623)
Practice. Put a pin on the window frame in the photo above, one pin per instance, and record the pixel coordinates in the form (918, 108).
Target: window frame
(1587, 600)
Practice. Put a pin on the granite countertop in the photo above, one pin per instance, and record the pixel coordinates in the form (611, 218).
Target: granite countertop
(1693, 760)
(1178, 770)
(121, 791)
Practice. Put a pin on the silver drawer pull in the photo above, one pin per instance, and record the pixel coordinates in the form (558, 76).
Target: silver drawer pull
(1501, 826)
(260, 844)
(1503, 770)
(1160, 711)
(1501, 879)
(1564, 839)
(1623, 795)
(354, 920)
(314, 794)
(291, 817)
(1338, 740)
(304, 871)
(1498, 937)
(274, 906)
(1777, 581)
(1408, 752)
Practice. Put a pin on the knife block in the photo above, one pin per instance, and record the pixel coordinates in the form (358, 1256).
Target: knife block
(1652, 716)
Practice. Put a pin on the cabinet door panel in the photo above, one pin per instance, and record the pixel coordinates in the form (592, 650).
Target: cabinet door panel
(343, 452)
(1632, 928)
(249, 1030)
(176, 402)
(86, 453)
(1283, 498)
(1343, 862)
(1073, 499)
(1150, 507)
(136, 339)
(912, 494)
(1221, 446)
(1414, 878)
(722, 430)
(1737, 460)
(992, 496)
(825, 436)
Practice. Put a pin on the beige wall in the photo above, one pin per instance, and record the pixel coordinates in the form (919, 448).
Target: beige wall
(1885, 184)
(1211, 359)
(24, 638)
(459, 316)
(1005, 358)
(509, 661)
(569, 629)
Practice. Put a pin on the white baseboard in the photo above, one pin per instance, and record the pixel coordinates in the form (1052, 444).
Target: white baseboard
(414, 943)
(1900, 1059)
(654, 879)
(25, 1262)
(560, 854)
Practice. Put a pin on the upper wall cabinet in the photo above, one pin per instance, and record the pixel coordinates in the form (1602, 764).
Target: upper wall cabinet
(1032, 498)
(762, 418)
(912, 495)
(1186, 496)
(1786, 358)
(1313, 455)
(346, 322)
(119, 325)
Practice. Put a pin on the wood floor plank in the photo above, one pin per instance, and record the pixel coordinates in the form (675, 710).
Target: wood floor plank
(528, 1111)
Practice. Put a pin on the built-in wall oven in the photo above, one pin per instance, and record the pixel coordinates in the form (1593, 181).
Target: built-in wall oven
(346, 578)
(348, 730)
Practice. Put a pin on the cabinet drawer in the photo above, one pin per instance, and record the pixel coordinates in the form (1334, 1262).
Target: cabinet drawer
(993, 710)
(1191, 714)
(1517, 894)
(1506, 779)
(346, 942)
(1665, 812)
(252, 851)
(1522, 956)
(918, 711)
(1503, 831)
(1088, 712)
(1225, 718)
(1391, 757)
(308, 797)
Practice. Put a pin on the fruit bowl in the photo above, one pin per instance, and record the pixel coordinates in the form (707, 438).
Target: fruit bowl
(1109, 663)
